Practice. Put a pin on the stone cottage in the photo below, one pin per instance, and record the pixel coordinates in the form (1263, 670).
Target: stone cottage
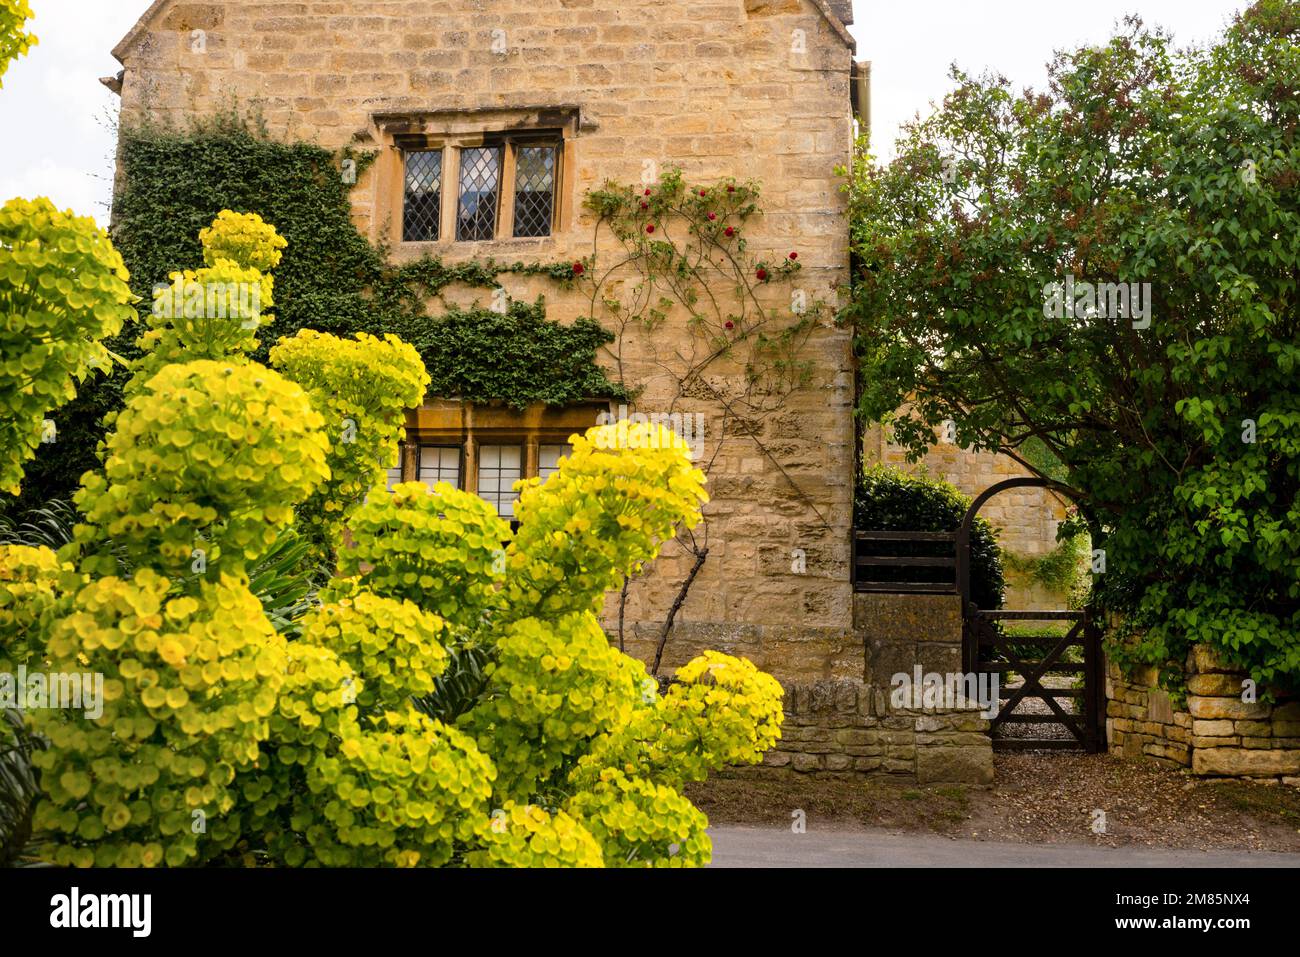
(491, 121)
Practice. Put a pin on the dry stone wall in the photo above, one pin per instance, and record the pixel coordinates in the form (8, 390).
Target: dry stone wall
(852, 723)
(849, 726)
(1218, 734)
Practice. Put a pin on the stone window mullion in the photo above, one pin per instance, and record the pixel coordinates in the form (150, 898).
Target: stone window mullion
(506, 193)
(530, 455)
(451, 190)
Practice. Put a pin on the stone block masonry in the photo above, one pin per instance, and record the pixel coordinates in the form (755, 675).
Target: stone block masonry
(1218, 733)
(845, 725)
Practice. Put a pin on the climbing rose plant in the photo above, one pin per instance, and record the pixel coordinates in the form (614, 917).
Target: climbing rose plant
(452, 699)
(684, 246)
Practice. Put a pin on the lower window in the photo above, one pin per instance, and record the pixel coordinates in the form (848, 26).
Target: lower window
(439, 463)
(548, 459)
(394, 476)
(499, 467)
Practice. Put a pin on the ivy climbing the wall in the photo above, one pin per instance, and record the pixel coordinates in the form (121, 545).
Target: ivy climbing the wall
(551, 363)
(332, 279)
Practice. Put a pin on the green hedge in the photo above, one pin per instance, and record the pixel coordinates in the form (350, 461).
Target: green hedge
(893, 501)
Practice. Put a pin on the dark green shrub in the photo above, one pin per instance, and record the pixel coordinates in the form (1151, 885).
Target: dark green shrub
(889, 500)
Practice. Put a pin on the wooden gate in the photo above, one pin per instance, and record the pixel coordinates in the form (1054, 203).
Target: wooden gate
(1070, 717)
(1078, 710)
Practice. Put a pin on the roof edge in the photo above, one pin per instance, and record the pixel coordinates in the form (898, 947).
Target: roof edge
(124, 45)
(836, 24)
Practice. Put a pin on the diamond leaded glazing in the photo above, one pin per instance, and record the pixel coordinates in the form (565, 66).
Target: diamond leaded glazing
(534, 190)
(422, 210)
(480, 178)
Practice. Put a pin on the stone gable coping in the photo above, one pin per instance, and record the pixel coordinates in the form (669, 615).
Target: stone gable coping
(141, 25)
(836, 12)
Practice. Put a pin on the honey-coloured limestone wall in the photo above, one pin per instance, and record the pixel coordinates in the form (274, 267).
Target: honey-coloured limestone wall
(851, 724)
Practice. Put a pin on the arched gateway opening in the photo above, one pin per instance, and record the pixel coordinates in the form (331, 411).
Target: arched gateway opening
(1051, 682)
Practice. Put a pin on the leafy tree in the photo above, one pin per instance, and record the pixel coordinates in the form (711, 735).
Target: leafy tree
(1176, 411)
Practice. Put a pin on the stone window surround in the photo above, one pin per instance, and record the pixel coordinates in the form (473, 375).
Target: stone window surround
(469, 425)
(399, 133)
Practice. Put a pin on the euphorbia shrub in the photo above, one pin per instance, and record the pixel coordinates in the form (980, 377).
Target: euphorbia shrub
(452, 700)
(439, 548)
(214, 312)
(14, 40)
(207, 458)
(189, 683)
(62, 290)
(29, 599)
(242, 238)
(360, 387)
(566, 746)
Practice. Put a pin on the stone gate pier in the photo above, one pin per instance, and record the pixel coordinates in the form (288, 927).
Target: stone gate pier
(859, 723)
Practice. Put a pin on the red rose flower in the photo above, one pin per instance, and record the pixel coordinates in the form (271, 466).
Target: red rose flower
(730, 324)
(794, 255)
(650, 228)
(704, 192)
(731, 189)
(761, 273)
(713, 215)
(578, 269)
(647, 192)
(729, 231)
(645, 205)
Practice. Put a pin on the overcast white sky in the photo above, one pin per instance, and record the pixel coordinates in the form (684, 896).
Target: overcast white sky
(58, 143)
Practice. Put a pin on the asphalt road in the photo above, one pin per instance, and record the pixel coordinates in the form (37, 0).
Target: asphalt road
(779, 847)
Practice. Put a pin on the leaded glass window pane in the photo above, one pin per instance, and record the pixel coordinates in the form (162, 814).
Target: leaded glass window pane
(439, 463)
(534, 190)
(548, 459)
(499, 467)
(422, 209)
(480, 180)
